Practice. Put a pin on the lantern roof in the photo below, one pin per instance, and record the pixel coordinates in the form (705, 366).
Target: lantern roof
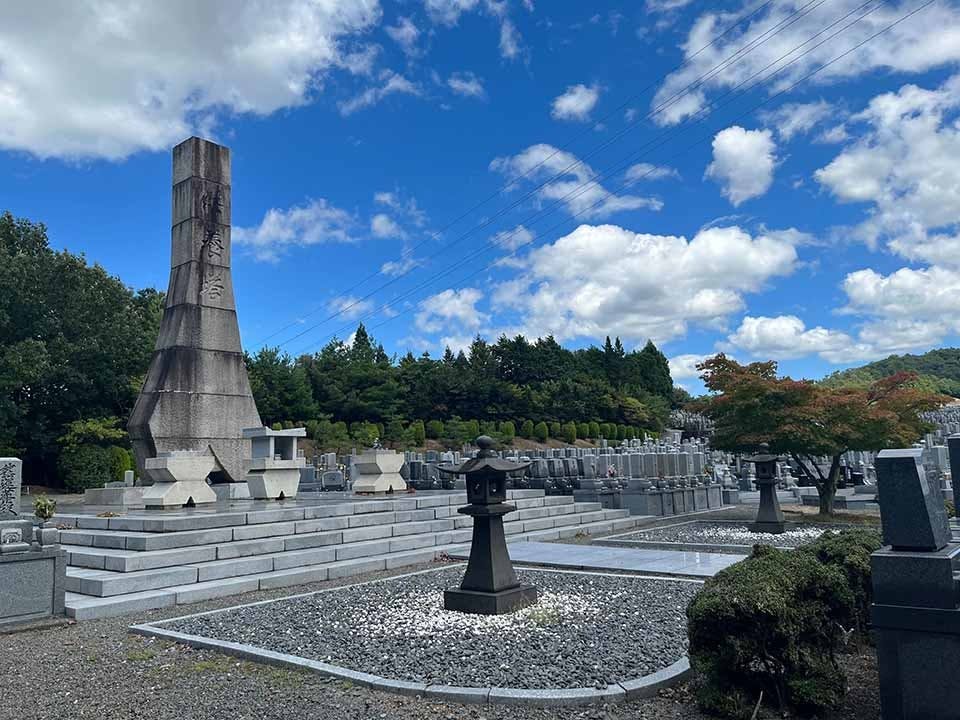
(486, 459)
(763, 456)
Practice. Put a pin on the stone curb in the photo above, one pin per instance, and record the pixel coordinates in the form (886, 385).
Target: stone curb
(555, 697)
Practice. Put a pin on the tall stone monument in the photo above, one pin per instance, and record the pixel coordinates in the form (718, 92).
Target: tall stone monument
(197, 394)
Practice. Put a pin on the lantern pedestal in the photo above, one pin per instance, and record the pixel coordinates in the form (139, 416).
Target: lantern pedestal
(490, 585)
(769, 515)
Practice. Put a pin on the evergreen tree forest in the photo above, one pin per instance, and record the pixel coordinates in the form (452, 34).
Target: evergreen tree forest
(350, 392)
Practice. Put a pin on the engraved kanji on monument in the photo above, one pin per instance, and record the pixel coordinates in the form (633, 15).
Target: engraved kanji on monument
(10, 479)
(197, 394)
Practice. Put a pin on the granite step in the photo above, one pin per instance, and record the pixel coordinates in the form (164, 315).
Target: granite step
(230, 563)
(85, 607)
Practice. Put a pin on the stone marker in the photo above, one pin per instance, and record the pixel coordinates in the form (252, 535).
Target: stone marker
(913, 515)
(10, 482)
(953, 446)
(378, 471)
(197, 394)
(179, 479)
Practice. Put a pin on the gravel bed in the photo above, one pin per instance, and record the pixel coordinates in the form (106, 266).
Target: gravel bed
(708, 533)
(584, 631)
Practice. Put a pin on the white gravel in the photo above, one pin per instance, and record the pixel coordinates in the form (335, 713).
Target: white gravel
(708, 533)
(585, 630)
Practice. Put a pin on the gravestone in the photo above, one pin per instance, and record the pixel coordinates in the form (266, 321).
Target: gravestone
(953, 446)
(913, 515)
(197, 395)
(10, 481)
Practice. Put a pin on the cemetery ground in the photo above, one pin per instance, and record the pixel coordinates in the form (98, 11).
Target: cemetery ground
(98, 669)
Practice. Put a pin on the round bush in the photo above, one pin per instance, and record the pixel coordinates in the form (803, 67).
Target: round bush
(526, 429)
(121, 460)
(508, 430)
(85, 466)
(849, 551)
(772, 623)
(541, 432)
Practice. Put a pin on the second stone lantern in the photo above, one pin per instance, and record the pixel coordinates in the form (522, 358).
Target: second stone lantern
(490, 585)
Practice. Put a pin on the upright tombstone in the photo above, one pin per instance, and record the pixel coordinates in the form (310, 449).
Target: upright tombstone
(916, 602)
(953, 446)
(197, 394)
(33, 567)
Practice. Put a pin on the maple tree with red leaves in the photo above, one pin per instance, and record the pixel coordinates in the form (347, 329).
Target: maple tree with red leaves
(804, 420)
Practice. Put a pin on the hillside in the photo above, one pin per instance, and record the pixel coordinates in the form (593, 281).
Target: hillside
(939, 370)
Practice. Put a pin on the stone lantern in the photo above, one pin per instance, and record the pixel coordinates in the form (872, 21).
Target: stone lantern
(769, 516)
(490, 585)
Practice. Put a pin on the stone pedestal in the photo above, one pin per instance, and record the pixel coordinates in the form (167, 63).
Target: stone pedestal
(10, 481)
(769, 515)
(378, 471)
(179, 480)
(273, 473)
(32, 585)
(197, 395)
(490, 585)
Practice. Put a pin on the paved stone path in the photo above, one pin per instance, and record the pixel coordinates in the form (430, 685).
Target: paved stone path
(596, 557)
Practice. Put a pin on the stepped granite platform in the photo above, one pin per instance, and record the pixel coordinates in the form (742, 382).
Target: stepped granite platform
(147, 559)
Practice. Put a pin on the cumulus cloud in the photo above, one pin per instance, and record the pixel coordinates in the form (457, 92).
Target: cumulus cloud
(466, 84)
(448, 12)
(575, 185)
(684, 367)
(395, 268)
(576, 103)
(450, 309)
(311, 224)
(786, 336)
(904, 165)
(796, 118)
(743, 163)
(390, 83)
(606, 280)
(513, 239)
(929, 39)
(349, 307)
(104, 80)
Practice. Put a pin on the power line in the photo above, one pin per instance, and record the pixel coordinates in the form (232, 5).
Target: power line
(724, 64)
(702, 113)
(746, 49)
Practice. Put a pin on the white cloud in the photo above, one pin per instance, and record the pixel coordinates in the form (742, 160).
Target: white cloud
(349, 307)
(384, 226)
(312, 224)
(606, 280)
(661, 6)
(405, 34)
(647, 171)
(796, 118)
(466, 84)
(513, 239)
(927, 40)
(509, 39)
(395, 268)
(786, 336)
(575, 187)
(683, 367)
(576, 103)
(905, 165)
(448, 12)
(105, 80)
(390, 83)
(450, 309)
(743, 163)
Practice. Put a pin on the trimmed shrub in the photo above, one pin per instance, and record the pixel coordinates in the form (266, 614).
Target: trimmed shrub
(556, 430)
(434, 429)
(508, 431)
(583, 430)
(594, 430)
(541, 432)
(772, 623)
(85, 466)
(849, 551)
(418, 433)
(526, 429)
(277, 426)
(121, 460)
(471, 429)
(569, 433)
(621, 432)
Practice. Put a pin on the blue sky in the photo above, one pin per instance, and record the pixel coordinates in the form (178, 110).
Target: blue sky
(442, 168)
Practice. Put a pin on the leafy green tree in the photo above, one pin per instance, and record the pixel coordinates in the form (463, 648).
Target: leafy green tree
(751, 406)
(434, 429)
(541, 432)
(508, 431)
(569, 431)
(594, 432)
(555, 430)
(418, 433)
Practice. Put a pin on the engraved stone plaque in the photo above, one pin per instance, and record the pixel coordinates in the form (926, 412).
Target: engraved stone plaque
(10, 469)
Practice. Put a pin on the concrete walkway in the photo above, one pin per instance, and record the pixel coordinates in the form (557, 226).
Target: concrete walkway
(596, 557)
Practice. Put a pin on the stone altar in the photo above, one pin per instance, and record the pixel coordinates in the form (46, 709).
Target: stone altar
(197, 394)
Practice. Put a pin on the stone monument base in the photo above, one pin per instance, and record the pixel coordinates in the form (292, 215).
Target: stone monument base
(33, 585)
(379, 484)
(231, 491)
(775, 528)
(274, 484)
(131, 497)
(178, 494)
(489, 603)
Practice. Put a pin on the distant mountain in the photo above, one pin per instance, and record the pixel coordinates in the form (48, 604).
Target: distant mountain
(939, 370)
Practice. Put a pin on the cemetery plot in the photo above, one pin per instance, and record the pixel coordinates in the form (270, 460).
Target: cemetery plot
(586, 631)
(727, 537)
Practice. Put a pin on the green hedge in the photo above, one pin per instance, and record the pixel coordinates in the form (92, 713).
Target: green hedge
(85, 466)
(774, 623)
